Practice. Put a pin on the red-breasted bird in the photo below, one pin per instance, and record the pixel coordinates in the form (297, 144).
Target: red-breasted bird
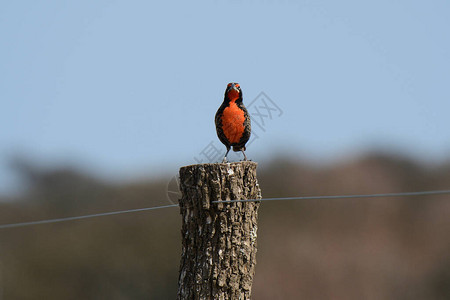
(232, 121)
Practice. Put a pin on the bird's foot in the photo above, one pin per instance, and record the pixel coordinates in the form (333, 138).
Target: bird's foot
(245, 156)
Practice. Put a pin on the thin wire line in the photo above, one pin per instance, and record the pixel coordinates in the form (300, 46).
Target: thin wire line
(340, 196)
(14, 225)
(84, 217)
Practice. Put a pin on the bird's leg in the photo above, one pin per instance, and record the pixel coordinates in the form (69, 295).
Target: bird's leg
(225, 157)
(245, 156)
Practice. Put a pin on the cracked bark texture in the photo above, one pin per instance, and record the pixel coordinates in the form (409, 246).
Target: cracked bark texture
(218, 239)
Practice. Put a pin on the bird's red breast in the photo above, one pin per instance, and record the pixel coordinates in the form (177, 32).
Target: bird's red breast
(233, 122)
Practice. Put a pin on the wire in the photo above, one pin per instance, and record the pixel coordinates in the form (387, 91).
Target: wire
(13, 225)
(423, 193)
(340, 196)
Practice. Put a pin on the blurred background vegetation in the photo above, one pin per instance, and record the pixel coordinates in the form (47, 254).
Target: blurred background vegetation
(383, 248)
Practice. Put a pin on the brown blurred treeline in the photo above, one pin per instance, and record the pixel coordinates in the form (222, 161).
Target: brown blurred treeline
(383, 248)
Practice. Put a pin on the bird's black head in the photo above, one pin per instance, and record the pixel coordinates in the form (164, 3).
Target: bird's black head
(233, 92)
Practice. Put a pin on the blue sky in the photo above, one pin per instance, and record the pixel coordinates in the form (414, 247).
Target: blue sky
(127, 88)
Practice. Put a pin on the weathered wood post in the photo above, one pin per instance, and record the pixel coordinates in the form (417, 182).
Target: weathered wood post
(219, 239)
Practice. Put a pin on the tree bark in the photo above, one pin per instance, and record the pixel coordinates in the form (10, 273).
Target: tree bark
(218, 239)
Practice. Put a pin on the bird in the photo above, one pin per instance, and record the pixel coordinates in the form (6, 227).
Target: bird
(233, 121)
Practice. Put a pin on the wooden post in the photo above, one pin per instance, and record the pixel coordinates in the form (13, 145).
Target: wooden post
(219, 239)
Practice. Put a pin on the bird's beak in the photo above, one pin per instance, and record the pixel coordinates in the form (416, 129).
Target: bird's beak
(233, 87)
(232, 92)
